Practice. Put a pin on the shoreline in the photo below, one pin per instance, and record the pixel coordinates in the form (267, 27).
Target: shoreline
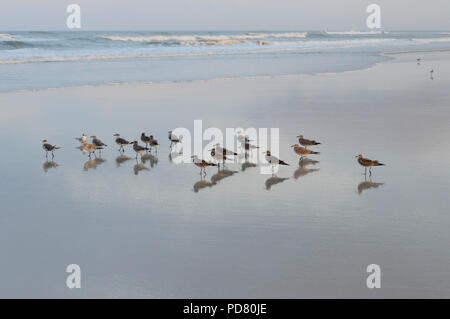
(387, 55)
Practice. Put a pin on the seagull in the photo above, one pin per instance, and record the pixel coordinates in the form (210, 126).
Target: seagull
(49, 148)
(246, 144)
(272, 160)
(219, 157)
(121, 141)
(224, 151)
(139, 149)
(81, 139)
(145, 139)
(173, 139)
(97, 142)
(91, 148)
(302, 151)
(367, 163)
(305, 142)
(201, 163)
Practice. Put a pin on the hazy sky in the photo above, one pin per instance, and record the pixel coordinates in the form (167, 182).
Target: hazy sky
(224, 14)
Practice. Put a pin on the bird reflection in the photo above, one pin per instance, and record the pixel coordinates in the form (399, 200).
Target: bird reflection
(274, 180)
(173, 155)
(247, 163)
(49, 164)
(93, 164)
(151, 158)
(121, 159)
(367, 184)
(202, 183)
(222, 174)
(140, 167)
(302, 169)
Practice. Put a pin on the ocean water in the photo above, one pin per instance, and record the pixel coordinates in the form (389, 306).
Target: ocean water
(40, 60)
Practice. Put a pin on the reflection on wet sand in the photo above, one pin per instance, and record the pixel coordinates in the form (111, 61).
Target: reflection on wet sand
(215, 179)
(202, 183)
(367, 184)
(222, 174)
(274, 180)
(173, 155)
(49, 164)
(121, 159)
(139, 167)
(93, 164)
(151, 158)
(247, 163)
(302, 169)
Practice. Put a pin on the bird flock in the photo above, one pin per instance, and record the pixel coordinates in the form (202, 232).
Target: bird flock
(219, 154)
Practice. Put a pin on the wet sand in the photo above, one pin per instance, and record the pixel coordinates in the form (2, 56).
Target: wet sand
(162, 232)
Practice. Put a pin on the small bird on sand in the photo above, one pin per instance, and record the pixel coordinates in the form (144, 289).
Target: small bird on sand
(49, 148)
(246, 144)
(367, 163)
(81, 139)
(224, 151)
(97, 142)
(154, 142)
(139, 149)
(201, 163)
(145, 139)
(219, 157)
(121, 141)
(90, 148)
(305, 142)
(274, 160)
(173, 139)
(302, 151)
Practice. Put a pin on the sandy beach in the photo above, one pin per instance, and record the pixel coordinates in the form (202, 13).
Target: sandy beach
(154, 231)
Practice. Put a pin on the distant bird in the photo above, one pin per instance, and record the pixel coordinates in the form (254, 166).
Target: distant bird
(224, 151)
(432, 74)
(81, 139)
(367, 163)
(246, 144)
(302, 151)
(154, 143)
(274, 160)
(218, 156)
(145, 139)
(419, 59)
(139, 149)
(97, 142)
(90, 148)
(121, 141)
(305, 142)
(49, 148)
(173, 139)
(201, 163)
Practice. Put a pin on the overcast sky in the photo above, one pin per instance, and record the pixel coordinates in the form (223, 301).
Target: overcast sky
(224, 14)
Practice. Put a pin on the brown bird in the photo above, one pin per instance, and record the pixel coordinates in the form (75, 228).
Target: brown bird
(305, 142)
(302, 151)
(145, 139)
(201, 163)
(90, 148)
(367, 163)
